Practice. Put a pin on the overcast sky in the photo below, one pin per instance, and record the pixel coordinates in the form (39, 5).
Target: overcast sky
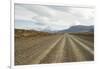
(53, 18)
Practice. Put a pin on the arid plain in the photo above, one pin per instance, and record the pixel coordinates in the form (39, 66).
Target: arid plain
(32, 47)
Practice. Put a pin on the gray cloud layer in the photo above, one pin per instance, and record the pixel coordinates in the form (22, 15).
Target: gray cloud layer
(51, 17)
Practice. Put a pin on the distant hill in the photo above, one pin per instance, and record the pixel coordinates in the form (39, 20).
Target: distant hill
(29, 33)
(79, 28)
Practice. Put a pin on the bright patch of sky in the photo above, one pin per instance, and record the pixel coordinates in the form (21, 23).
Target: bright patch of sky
(52, 18)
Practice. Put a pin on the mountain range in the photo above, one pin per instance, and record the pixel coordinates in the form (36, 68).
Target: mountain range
(76, 28)
(79, 28)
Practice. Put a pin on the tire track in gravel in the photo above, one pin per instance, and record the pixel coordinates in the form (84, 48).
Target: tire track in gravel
(83, 45)
(86, 42)
(78, 54)
(33, 52)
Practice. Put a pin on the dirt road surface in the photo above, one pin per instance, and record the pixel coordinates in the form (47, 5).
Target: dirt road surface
(57, 48)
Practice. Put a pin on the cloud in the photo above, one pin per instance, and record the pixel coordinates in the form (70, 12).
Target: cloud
(40, 17)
